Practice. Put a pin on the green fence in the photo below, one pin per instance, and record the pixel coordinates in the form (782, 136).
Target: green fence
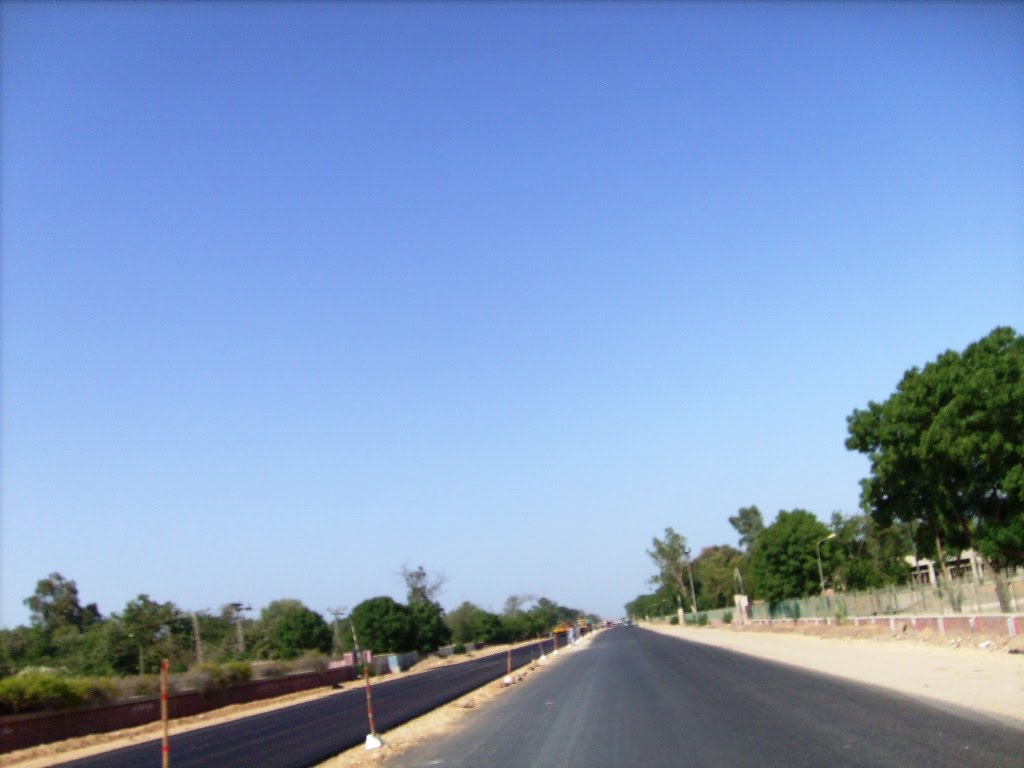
(958, 596)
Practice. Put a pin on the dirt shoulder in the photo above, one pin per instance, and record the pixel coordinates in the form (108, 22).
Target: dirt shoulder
(957, 672)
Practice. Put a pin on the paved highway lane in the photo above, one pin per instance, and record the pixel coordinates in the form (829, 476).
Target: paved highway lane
(307, 734)
(637, 699)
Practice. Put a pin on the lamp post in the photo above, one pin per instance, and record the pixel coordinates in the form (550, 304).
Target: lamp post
(817, 549)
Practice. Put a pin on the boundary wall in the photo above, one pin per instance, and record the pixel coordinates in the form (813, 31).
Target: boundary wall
(1003, 624)
(33, 728)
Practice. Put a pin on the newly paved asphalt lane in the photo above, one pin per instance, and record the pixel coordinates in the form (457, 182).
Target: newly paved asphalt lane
(307, 734)
(637, 699)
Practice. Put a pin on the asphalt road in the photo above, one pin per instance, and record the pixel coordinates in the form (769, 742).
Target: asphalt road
(307, 734)
(637, 699)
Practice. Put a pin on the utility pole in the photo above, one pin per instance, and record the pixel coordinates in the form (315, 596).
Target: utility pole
(338, 614)
(238, 608)
(197, 637)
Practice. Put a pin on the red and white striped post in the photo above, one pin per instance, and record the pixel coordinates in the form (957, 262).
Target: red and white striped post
(369, 699)
(165, 748)
(372, 739)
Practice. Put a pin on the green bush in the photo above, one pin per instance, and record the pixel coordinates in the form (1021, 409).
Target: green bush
(727, 617)
(459, 648)
(37, 691)
(702, 619)
(674, 620)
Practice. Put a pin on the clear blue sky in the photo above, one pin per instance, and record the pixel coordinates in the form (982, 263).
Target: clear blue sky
(295, 294)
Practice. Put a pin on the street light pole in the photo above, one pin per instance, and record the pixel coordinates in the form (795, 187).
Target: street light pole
(817, 549)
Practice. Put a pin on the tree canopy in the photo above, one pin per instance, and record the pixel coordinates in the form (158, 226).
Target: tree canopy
(670, 556)
(54, 604)
(471, 624)
(748, 523)
(785, 562)
(289, 629)
(947, 452)
(867, 555)
(427, 614)
(714, 571)
(384, 625)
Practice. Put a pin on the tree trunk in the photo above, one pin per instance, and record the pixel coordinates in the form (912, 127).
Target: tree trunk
(955, 599)
(999, 581)
(942, 559)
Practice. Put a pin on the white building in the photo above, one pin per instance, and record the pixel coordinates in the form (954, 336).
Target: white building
(966, 563)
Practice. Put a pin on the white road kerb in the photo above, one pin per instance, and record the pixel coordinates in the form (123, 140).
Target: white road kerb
(988, 682)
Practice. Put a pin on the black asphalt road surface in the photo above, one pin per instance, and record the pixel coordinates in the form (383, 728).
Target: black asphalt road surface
(307, 734)
(638, 699)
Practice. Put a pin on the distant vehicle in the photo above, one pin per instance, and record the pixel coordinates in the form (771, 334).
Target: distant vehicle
(561, 628)
(627, 623)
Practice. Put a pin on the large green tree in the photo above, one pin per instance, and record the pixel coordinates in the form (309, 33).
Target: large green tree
(748, 523)
(384, 625)
(289, 629)
(785, 562)
(55, 604)
(715, 571)
(947, 453)
(427, 614)
(670, 556)
(156, 630)
(661, 602)
(867, 555)
(471, 624)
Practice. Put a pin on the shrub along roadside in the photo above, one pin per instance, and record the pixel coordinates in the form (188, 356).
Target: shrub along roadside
(37, 691)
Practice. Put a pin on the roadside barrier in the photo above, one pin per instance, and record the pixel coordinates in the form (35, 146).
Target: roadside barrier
(28, 730)
(1011, 625)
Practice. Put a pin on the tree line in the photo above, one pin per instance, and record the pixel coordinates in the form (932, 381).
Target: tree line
(68, 638)
(946, 451)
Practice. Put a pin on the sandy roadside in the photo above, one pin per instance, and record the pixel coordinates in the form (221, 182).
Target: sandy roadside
(991, 682)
